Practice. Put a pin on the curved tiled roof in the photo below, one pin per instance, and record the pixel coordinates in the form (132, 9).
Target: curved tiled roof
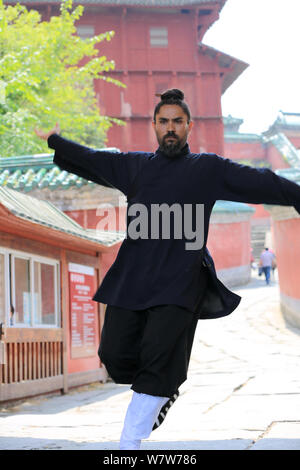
(292, 174)
(30, 172)
(231, 206)
(285, 148)
(45, 213)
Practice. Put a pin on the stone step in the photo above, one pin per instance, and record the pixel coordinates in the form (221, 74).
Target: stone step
(260, 234)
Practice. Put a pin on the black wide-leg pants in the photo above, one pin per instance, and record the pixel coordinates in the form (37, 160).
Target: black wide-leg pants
(149, 348)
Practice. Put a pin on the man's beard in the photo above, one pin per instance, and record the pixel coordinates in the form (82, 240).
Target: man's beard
(171, 148)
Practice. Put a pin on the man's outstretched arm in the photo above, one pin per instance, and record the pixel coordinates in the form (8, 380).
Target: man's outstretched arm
(113, 169)
(243, 183)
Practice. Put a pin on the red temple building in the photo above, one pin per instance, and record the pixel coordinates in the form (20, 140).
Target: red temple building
(278, 147)
(157, 45)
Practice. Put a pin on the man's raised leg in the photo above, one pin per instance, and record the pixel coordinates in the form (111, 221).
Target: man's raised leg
(140, 418)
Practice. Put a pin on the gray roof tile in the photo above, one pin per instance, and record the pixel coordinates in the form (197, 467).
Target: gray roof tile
(45, 213)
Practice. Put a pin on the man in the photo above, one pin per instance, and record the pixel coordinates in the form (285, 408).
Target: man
(158, 286)
(266, 261)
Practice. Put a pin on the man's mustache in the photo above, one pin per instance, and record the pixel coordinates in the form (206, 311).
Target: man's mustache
(170, 134)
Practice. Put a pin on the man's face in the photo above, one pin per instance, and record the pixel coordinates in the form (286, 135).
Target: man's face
(172, 128)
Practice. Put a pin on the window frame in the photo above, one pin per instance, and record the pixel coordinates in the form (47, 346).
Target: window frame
(158, 46)
(57, 314)
(13, 287)
(5, 253)
(10, 286)
(87, 31)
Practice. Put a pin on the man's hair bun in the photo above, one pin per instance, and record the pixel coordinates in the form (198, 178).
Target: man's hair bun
(174, 93)
(173, 97)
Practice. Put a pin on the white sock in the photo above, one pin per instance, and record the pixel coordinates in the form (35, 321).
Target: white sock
(139, 420)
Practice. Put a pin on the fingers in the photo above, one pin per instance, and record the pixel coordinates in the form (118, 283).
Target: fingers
(40, 133)
(44, 135)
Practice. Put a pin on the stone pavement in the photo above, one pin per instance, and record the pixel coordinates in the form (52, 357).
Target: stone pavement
(242, 393)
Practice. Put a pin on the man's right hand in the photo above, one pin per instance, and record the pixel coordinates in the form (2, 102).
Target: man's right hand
(45, 135)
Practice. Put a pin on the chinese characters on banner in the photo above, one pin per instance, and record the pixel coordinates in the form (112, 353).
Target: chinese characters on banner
(83, 311)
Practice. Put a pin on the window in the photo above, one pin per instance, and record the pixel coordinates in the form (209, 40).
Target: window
(85, 31)
(159, 37)
(34, 291)
(21, 280)
(44, 294)
(2, 288)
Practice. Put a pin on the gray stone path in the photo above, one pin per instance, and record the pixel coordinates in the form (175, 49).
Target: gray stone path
(243, 392)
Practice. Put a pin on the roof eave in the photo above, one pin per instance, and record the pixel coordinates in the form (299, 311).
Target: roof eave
(14, 224)
(118, 3)
(231, 67)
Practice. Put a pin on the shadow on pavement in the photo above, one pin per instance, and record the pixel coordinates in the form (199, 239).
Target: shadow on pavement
(81, 396)
(257, 282)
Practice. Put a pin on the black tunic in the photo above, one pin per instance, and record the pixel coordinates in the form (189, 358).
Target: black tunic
(159, 271)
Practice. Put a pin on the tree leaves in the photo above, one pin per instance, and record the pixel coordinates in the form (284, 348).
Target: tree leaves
(47, 74)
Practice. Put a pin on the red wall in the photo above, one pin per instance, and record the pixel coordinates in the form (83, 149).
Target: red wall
(230, 244)
(91, 218)
(244, 150)
(108, 258)
(295, 141)
(260, 212)
(287, 233)
(275, 158)
(106, 218)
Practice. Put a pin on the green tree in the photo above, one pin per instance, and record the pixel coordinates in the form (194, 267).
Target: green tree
(47, 74)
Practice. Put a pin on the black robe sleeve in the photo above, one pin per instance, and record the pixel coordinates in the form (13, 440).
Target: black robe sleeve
(243, 183)
(107, 168)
